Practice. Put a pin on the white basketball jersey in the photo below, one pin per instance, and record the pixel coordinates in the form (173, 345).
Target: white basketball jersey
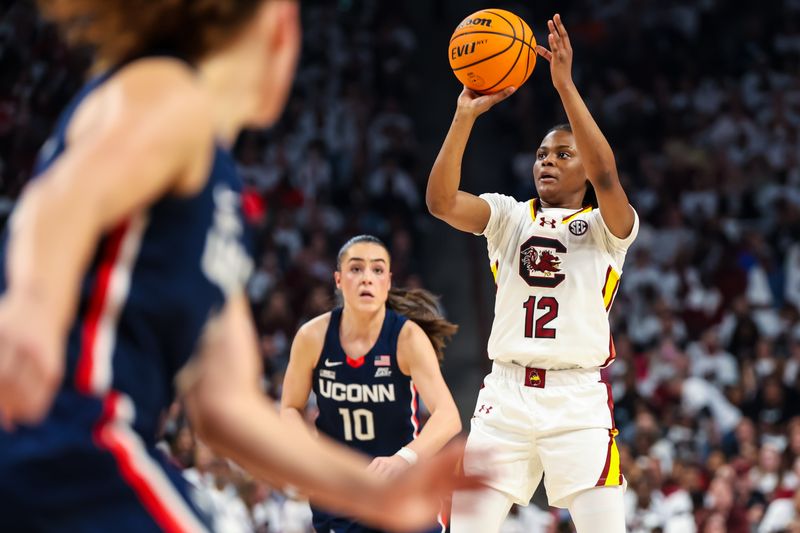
(557, 272)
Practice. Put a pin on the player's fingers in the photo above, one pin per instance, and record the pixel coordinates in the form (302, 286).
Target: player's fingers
(377, 465)
(562, 30)
(31, 405)
(502, 95)
(553, 30)
(8, 376)
(554, 47)
(544, 52)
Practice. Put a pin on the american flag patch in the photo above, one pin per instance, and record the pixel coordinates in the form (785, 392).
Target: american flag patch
(383, 360)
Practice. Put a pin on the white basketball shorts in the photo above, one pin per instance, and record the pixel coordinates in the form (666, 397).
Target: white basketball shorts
(557, 423)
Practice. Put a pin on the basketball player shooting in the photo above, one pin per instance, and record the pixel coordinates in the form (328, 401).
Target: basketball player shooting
(557, 261)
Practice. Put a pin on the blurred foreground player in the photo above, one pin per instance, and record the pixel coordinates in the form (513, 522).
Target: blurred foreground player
(122, 276)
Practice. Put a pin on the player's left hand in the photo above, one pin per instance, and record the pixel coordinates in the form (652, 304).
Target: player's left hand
(31, 360)
(560, 54)
(388, 467)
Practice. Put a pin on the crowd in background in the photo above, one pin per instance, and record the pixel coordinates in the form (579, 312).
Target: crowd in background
(703, 114)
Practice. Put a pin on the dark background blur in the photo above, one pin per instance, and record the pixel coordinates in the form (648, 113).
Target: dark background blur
(701, 103)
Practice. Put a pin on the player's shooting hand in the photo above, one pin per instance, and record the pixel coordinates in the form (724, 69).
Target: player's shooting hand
(388, 467)
(31, 361)
(476, 104)
(560, 54)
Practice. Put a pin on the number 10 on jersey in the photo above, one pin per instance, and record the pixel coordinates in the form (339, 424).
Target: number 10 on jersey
(359, 423)
(549, 305)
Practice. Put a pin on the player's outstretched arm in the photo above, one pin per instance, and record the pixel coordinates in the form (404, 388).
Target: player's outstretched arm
(134, 140)
(233, 416)
(596, 154)
(460, 209)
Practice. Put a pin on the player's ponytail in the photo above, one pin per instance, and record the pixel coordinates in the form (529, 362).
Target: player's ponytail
(418, 305)
(118, 30)
(422, 307)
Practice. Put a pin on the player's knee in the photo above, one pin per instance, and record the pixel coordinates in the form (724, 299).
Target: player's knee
(598, 509)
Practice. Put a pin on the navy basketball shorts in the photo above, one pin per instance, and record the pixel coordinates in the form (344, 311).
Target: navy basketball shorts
(86, 470)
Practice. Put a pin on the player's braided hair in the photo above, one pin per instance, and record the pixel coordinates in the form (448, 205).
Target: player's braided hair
(590, 197)
(121, 29)
(418, 305)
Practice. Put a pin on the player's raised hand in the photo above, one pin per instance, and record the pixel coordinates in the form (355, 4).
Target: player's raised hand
(560, 54)
(411, 501)
(31, 362)
(476, 104)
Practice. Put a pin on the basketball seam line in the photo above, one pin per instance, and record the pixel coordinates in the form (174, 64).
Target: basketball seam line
(514, 64)
(495, 33)
(496, 14)
(528, 57)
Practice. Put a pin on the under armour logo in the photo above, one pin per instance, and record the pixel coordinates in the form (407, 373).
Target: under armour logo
(485, 409)
(551, 222)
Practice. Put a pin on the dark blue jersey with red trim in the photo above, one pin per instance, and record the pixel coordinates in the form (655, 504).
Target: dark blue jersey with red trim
(153, 283)
(151, 287)
(366, 403)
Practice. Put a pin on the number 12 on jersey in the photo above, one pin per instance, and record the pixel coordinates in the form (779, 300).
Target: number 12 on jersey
(549, 305)
(360, 420)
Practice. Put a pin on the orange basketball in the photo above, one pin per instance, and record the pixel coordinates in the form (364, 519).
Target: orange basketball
(492, 49)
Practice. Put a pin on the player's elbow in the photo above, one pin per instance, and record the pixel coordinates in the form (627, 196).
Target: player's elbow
(438, 205)
(604, 179)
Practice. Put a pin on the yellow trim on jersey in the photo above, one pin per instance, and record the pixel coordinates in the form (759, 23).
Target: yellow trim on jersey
(612, 479)
(573, 215)
(494, 266)
(533, 209)
(612, 281)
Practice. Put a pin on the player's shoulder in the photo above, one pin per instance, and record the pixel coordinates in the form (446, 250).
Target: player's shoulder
(500, 198)
(503, 205)
(165, 85)
(410, 331)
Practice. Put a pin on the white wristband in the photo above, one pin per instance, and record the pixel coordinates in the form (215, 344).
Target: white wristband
(408, 454)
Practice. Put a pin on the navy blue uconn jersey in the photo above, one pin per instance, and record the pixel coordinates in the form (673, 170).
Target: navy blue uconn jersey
(153, 284)
(366, 403)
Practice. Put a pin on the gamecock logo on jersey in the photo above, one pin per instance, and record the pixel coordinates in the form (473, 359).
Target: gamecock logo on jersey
(544, 261)
(539, 264)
